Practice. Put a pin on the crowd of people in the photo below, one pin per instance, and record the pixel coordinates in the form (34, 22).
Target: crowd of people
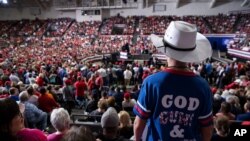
(85, 86)
(222, 24)
(30, 27)
(44, 33)
(154, 24)
(43, 79)
(157, 24)
(58, 27)
(127, 23)
(244, 24)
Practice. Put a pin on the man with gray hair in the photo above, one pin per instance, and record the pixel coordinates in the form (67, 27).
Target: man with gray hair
(35, 117)
(60, 120)
(110, 122)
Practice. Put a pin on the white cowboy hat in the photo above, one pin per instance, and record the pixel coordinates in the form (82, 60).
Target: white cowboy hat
(182, 42)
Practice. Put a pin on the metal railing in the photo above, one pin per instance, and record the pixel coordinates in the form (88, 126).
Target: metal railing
(240, 12)
(95, 3)
(64, 3)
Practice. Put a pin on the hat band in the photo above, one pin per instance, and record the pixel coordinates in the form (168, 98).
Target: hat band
(166, 44)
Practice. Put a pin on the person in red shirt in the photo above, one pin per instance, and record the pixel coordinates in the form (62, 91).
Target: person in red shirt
(91, 83)
(80, 87)
(3, 95)
(39, 80)
(99, 80)
(145, 74)
(46, 102)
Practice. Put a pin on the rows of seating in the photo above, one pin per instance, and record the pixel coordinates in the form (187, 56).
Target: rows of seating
(199, 22)
(30, 27)
(58, 27)
(127, 23)
(81, 36)
(43, 28)
(83, 28)
(154, 24)
(5, 25)
(244, 24)
(220, 23)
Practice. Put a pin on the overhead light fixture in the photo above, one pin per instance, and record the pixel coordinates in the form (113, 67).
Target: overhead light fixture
(245, 2)
(4, 1)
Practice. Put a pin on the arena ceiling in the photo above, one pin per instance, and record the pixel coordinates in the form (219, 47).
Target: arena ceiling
(27, 3)
(78, 3)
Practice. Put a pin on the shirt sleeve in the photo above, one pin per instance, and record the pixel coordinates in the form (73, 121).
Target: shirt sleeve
(53, 103)
(206, 114)
(143, 107)
(39, 113)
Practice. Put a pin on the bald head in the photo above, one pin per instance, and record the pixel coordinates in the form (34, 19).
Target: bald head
(24, 96)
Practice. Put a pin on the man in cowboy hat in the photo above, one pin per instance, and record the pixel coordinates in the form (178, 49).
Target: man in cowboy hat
(176, 104)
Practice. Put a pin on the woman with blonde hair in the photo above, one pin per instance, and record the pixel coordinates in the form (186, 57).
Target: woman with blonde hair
(126, 127)
(102, 107)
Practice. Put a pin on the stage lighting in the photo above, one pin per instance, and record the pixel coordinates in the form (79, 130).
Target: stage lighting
(4, 1)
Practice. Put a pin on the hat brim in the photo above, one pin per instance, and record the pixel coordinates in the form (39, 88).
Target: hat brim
(202, 51)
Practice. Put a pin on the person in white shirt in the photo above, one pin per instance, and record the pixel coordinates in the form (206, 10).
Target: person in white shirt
(128, 102)
(103, 72)
(136, 73)
(13, 77)
(127, 76)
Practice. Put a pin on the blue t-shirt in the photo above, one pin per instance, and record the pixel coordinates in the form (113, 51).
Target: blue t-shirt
(14, 97)
(209, 68)
(176, 105)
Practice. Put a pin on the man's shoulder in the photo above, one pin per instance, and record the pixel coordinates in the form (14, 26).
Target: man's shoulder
(28, 104)
(156, 76)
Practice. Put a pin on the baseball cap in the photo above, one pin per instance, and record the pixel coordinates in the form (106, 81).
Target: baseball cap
(127, 95)
(110, 118)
